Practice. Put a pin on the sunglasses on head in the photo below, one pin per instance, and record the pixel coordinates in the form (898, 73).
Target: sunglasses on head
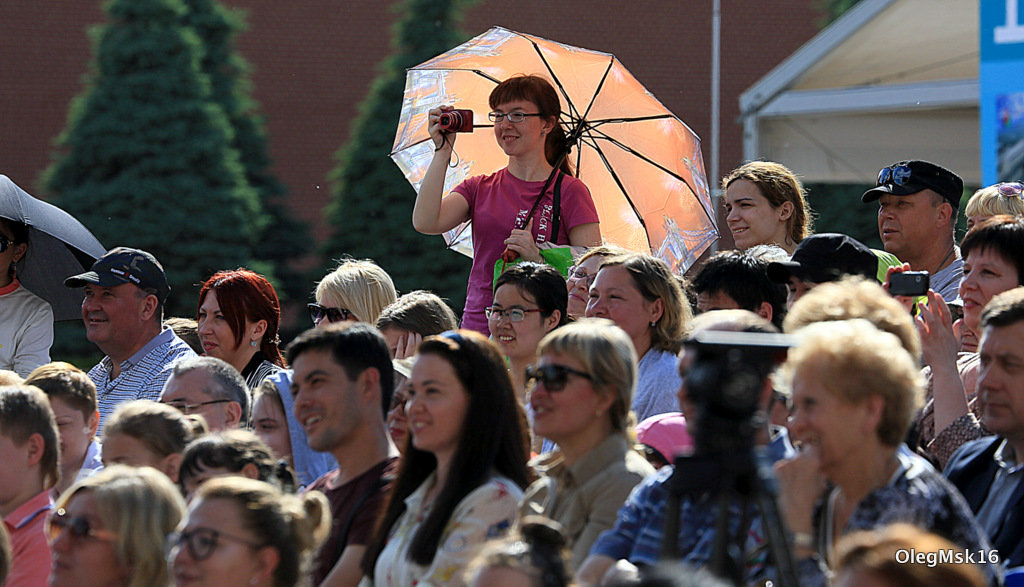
(318, 313)
(78, 527)
(1013, 188)
(202, 542)
(554, 377)
(894, 174)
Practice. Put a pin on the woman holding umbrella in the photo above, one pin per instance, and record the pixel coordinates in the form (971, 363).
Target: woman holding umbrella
(511, 209)
(26, 320)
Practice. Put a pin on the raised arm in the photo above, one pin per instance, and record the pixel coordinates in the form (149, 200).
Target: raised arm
(431, 214)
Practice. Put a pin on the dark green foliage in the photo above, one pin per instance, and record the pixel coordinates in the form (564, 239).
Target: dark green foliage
(371, 208)
(285, 238)
(833, 9)
(146, 159)
(837, 208)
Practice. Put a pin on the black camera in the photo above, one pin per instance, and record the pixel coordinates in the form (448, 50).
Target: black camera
(724, 385)
(456, 121)
(909, 283)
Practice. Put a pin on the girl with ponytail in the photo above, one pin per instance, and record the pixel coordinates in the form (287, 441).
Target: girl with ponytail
(532, 201)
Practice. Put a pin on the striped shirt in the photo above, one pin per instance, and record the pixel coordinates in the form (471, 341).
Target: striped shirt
(142, 375)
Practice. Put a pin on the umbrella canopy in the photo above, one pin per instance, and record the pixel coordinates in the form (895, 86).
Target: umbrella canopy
(59, 246)
(643, 165)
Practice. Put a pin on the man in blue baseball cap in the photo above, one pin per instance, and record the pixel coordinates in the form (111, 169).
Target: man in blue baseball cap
(917, 208)
(125, 293)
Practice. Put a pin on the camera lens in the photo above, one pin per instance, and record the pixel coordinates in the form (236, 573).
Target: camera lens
(450, 120)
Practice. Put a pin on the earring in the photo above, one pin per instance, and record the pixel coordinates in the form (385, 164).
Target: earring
(653, 324)
(253, 343)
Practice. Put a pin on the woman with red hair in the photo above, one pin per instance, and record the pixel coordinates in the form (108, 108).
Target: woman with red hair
(238, 319)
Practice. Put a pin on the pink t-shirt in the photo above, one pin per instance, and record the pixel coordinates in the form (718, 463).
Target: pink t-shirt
(495, 201)
(30, 552)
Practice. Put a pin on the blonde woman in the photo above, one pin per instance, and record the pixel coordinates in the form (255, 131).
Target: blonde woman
(582, 387)
(109, 529)
(356, 291)
(1001, 198)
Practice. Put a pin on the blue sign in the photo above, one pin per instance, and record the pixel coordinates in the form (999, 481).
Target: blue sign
(1001, 95)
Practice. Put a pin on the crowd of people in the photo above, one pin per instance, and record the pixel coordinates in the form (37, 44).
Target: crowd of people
(547, 441)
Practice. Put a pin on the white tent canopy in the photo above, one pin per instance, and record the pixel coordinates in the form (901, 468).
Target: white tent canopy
(890, 80)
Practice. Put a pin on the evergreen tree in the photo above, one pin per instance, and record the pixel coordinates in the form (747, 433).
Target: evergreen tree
(371, 208)
(285, 238)
(146, 158)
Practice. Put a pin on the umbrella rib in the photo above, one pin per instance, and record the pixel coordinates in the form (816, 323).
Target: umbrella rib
(600, 85)
(594, 135)
(625, 194)
(574, 112)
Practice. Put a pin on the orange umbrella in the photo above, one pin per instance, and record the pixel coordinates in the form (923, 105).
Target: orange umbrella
(643, 165)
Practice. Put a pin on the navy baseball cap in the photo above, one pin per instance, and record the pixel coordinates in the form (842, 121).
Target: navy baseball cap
(826, 257)
(909, 177)
(124, 265)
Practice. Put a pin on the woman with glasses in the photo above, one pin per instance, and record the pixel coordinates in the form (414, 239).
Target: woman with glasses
(582, 275)
(529, 302)
(993, 254)
(356, 291)
(109, 529)
(245, 532)
(580, 398)
(462, 475)
(765, 204)
(512, 210)
(145, 433)
(1001, 198)
(641, 296)
(26, 320)
(238, 320)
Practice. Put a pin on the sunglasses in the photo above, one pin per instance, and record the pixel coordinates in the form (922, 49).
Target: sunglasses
(202, 542)
(1014, 188)
(78, 527)
(894, 174)
(554, 377)
(318, 313)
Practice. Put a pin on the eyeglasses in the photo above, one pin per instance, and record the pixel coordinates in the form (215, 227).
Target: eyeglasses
(577, 272)
(187, 409)
(895, 174)
(79, 527)
(554, 377)
(1014, 188)
(201, 542)
(512, 314)
(4, 243)
(318, 313)
(512, 116)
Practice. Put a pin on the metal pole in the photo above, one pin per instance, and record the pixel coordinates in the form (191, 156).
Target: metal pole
(716, 59)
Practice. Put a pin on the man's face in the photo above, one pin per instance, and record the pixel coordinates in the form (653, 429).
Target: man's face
(112, 314)
(1001, 380)
(327, 402)
(910, 225)
(188, 393)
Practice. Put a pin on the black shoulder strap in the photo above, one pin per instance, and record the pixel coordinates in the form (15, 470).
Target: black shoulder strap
(556, 211)
(375, 487)
(521, 223)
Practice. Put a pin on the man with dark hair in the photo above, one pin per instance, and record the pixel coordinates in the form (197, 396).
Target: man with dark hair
(989, 471)
(821, 258)
(342, 386)
(125, 293)
(210, 387)
(917, 208)
(734, 280)
(29, 455)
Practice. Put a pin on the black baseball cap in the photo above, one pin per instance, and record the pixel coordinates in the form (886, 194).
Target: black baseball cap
(909, 177)
(124, 265)
(826, 257)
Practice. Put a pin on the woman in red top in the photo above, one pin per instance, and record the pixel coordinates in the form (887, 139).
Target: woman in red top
(525, 111)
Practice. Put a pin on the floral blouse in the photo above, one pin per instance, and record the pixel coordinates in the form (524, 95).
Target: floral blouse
(488, 512)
